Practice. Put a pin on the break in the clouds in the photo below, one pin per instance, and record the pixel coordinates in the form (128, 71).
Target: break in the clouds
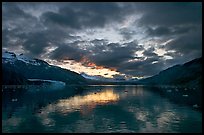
(110, 39)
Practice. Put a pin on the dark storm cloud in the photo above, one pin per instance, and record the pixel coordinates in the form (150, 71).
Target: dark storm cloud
(168, 14)
(10, 10)
(23, 28)
(126, 33)
(188, 44)
(162, 31)
(159, 31)
(115, 54)
(72, 51)
(36, 43)
(85, 15)
(32, 35)
(66, 52)
(5, 37)
(15, 18)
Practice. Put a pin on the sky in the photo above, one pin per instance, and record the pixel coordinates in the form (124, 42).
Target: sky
(110, 39)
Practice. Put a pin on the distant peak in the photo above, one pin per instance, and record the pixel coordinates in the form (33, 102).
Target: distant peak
(11, 57)
(8, 55)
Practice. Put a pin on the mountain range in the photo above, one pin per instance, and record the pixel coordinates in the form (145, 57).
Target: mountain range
(17, 69)
(188, 74)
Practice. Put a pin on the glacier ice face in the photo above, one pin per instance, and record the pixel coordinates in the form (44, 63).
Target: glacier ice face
(54, 85)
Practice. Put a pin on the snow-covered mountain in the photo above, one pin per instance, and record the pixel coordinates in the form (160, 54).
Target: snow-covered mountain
(89, 76)
(31, 68)
(96, 78)
(10, 57)
(104, 79)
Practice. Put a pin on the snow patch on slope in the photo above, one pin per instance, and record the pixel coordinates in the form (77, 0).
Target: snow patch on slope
(12, 57)
(27, 60)
(8, 55)
(89, 77)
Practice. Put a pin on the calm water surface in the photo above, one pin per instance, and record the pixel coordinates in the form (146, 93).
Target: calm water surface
(96, 109)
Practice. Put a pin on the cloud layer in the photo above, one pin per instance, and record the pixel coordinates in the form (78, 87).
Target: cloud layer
(138, 39)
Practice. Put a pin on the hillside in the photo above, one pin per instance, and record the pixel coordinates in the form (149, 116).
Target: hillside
(188, 74)
(31, 68)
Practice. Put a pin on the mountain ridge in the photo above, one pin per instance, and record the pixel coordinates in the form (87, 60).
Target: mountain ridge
(32, 68)
(185, 74)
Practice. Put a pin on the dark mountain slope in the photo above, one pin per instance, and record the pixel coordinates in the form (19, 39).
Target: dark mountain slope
(188, 74)
(38, 69)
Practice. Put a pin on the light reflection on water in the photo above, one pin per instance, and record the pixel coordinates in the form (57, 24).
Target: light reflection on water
(100, 109)
(92, 99)
(84, 104)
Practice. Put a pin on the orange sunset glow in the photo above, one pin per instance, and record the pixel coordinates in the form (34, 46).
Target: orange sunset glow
(86, 66)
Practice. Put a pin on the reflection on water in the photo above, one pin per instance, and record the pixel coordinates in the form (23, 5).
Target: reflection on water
(84, 104)
(92, 99)
(97, 109)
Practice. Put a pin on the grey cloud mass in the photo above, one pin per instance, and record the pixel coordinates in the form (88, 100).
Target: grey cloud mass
(171, 13)
(59, 30)
(115, 54)
(82, 15)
